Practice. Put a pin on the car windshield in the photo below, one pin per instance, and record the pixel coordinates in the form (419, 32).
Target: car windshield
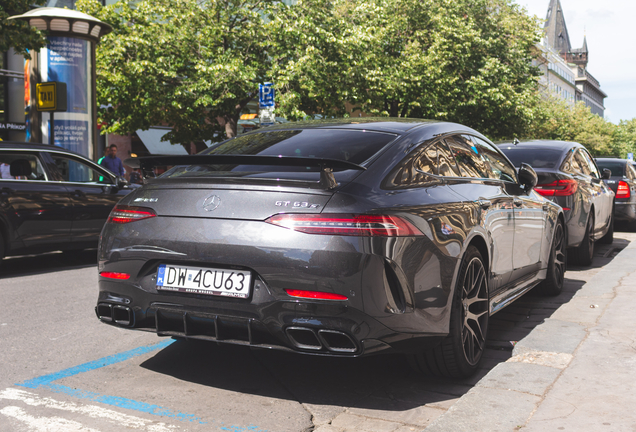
(617, 168)
(356, 146)
(535, 157)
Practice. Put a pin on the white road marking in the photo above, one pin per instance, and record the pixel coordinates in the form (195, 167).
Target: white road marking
(42, 424)
(92, 411)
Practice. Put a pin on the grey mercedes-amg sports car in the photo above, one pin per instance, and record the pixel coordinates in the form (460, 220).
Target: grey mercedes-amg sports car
(341, 238)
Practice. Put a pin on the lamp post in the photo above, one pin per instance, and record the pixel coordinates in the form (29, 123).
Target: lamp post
(68, 58)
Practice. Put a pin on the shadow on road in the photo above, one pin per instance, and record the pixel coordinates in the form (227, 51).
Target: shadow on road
(383, 382)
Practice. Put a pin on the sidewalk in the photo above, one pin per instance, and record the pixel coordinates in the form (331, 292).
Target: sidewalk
(574, 372)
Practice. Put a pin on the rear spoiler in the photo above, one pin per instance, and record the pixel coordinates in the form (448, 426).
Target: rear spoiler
(327, 166)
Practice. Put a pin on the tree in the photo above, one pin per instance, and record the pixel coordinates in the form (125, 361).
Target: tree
(18, 34)
(555, 119)
(625, 135)
(189, 64)
(468, 61)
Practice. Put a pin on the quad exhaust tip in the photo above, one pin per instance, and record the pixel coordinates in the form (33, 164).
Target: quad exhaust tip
(331, 340)
(118, 314)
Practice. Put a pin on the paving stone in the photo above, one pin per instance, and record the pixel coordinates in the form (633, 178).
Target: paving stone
(323, 414)
(487, 410)
(398, 411)
(374, 425)
(552, 336)
(522, 377)
(346, 420)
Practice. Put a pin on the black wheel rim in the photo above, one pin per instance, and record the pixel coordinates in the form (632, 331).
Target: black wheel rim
(474, 311)
(559, 255)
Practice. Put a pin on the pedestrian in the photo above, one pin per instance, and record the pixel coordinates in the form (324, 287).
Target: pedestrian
(112, 163)
(135, 177)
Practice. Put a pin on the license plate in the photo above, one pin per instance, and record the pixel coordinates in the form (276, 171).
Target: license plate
(198, 280)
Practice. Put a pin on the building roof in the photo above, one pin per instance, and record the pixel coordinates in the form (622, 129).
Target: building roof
(555, 28)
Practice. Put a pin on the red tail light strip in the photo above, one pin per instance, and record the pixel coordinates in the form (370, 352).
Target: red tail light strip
(315, 295)
(122, 214)
(347, 224)
(565, 187)
(113, 275)
(623, 190)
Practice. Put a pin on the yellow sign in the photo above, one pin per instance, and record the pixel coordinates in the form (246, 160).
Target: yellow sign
(46, 96)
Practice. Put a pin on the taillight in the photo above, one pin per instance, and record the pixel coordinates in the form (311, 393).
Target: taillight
(558, 188)
(315, 294)
(347, 224)
(113, 275)
(122, 214)
(623, 190)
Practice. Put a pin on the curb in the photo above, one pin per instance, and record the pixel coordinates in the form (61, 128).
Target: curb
(509, 394)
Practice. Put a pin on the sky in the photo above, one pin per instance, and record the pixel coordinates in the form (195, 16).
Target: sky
(610, 29)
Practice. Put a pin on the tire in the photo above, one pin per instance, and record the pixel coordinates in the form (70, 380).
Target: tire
(459, 354)
(553, 283)
(608, 238)
(584, 253)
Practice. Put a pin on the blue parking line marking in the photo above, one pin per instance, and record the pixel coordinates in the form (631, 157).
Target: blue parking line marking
(106, 361)
(46, 381)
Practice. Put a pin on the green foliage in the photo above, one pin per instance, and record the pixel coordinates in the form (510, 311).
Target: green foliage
(17, 33)
(189, 64)
(625, 135)
(467, 61)
(557, 120)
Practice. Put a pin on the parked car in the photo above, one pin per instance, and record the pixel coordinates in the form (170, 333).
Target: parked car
(337, 238)
(623, 182)
(52, 199)
(569, 176)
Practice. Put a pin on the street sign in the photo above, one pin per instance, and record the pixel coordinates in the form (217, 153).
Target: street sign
(51, 96)
(267, 117)
(266, 95)
(630, 157)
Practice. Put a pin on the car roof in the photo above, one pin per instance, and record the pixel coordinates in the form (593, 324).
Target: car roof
(379, 124)
(9, 145)
(537, 144)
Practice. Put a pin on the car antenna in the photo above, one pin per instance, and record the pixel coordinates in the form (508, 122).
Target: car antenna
(515, 141)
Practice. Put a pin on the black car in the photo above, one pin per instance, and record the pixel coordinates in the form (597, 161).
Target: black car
(568, 176)
(52, 199)
(337, 238)
(623, 183)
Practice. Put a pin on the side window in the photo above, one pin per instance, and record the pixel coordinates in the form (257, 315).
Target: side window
(502, 168)
(570, 164)
(582, 166)
(21, 166)
(594, 172)
(78, 172)
(631, 174)
(468, 159)
(446, 162)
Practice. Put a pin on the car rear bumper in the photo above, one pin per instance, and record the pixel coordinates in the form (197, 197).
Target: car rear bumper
(397, 289)
(624, 210)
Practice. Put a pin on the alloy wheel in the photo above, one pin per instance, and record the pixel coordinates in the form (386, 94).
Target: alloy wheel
(474, 311)
(559, 255)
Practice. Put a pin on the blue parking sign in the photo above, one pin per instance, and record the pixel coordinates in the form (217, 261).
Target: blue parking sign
(266, 95)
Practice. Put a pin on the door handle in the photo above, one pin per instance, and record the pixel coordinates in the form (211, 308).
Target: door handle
(546, 206)
(6, 191)
(517, 202)
(484, 203)
(78, 193)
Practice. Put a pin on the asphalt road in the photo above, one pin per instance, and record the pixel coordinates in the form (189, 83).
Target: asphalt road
(63, 370)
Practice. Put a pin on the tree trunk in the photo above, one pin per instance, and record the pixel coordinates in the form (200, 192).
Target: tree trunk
(393, 112)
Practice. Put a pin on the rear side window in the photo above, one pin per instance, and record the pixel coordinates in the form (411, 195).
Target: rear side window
(75, 171)
(617, 168)
(415, 169)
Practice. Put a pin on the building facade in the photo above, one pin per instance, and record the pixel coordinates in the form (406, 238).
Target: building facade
(557, 41)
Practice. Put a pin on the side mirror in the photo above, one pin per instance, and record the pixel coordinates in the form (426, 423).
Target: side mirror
(606, 174)
(527, 177)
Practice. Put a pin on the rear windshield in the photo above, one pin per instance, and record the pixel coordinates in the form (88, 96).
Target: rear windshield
(535, 157)
(617, 168)
(356, 146)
